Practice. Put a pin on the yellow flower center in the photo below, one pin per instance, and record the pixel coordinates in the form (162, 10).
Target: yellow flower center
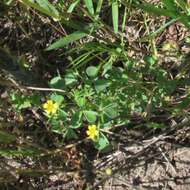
(50, 107)
(92, 132)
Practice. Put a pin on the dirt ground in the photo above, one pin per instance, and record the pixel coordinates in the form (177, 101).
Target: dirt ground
(159, 163)
(170, 173)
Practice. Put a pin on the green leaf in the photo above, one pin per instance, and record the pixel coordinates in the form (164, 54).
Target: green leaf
(170, 5)
(25, 104)
(115, 15)
(79, 98)
(66, 40)
(102, 84)
(89, 5)
(43, 6)
(21, 101)
(76, 120)
(92, 71)
(111, 111)
(71, 134)
(70, 79)
(107, 67)
(57, 82)
(57, 98)
(98, 8)
(91, 116)
(72, 6)
(151, 60)
(102, 142)
(81, 101)
(56, 126)
(62, 115)
(152, 9)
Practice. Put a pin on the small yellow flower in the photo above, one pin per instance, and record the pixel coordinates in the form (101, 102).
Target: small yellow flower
(50, 107)
(92, 132)
(170, 46)
(108, 171)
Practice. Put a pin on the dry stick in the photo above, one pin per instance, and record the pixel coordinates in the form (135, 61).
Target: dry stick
(166, 158)
(45, 89)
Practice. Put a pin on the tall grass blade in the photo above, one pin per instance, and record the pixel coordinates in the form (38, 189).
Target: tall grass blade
(170, 5)
(182, 4)
(66, 40)
(115, 15)
(44, 6)
(155, 10)
(72, 6)
(165, 12)
(158, 31)
(89, 5)
(98, 8)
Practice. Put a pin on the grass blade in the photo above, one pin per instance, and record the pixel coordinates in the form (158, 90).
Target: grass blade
(115, 15)
(155, 10)
(72, 6)
(158, 31)
(170, 5)
(89, 5)
(66, 40)
(43, 6)
(98, 8)
(182, 4)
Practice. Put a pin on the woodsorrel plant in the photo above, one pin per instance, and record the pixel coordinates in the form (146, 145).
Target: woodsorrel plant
(102, 86)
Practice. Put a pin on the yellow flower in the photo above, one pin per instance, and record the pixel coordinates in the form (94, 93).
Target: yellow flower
(50, 107)
(108, 171)
(170, 46)
(92, 132)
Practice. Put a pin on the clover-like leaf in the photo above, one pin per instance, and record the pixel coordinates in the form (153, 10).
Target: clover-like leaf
(91, 116)
(76, 120)
(102, 142)
(92, 71)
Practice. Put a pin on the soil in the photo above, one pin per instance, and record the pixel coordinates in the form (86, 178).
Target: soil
(170, 172)
(163, 163)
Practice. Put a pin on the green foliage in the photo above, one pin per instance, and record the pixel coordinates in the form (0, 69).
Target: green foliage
(21, 101)
(102, 85)
(66, 40)
(89, 5)
(72, 6)
(92, 71)
(115, 15)
(175, 9)
(102, 142)
(44, 6)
